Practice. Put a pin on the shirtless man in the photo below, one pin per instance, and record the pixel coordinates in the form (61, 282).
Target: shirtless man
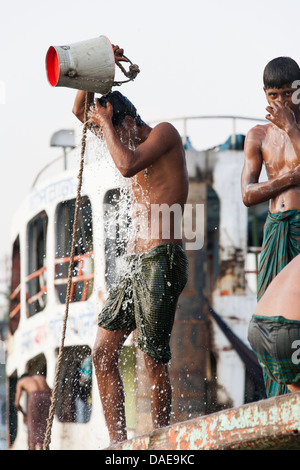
(156, 268)
(39, 400)
(277, 146)
(274, 330)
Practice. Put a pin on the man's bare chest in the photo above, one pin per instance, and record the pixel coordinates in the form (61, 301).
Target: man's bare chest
(278, 153)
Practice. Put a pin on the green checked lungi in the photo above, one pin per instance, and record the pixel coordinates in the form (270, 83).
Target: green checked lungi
(281, 243)
(144, 296)
(276, 343)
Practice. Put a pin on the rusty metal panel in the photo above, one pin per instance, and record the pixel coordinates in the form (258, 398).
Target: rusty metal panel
(268, 424)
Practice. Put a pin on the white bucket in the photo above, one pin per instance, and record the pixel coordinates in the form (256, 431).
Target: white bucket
(86, 65)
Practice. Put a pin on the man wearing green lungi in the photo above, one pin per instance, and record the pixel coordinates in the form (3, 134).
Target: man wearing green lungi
(280, 245)
(277, 146)
(154, 270)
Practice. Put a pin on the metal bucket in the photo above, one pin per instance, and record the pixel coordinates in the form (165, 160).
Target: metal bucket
(86, 65)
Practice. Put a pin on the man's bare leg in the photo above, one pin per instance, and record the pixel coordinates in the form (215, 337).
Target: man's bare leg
(106, 354)
(161, 391)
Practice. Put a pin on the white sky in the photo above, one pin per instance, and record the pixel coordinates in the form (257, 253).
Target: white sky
(196, 58)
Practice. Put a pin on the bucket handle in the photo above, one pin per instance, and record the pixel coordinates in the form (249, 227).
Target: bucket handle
(131, 74)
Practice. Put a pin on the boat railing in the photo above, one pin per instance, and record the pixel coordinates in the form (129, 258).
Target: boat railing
(65, 161)
(186, 119)
(38, 296)
(39, 273)
(13, 296)
(80, 277)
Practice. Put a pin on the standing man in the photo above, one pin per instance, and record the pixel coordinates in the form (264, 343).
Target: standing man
(277, 146)
(38, 405)
(146, 290)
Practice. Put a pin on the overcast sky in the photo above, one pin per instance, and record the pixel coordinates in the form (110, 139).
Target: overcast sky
(196, 58)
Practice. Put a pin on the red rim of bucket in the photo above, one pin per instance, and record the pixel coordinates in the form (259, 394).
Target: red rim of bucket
(52, 66)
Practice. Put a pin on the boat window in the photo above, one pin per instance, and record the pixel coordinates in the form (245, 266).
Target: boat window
(116, 226)
(36, 289)
(83, 270)
(15, 288)
(74, 398)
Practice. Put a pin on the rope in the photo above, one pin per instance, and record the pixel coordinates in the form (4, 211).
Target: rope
(131, 74)
(47, 439)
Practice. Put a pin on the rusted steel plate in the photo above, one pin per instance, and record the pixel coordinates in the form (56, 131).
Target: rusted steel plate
(268, 424)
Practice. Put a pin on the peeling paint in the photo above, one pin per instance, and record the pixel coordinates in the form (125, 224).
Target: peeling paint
(268, 424)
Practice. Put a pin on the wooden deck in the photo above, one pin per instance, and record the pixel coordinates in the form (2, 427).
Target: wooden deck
(264, 425)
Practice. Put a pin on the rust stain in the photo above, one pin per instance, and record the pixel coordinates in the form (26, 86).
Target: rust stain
(184, 443)
(173, 437)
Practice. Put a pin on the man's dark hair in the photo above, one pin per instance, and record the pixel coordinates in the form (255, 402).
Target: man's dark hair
(24, 375)
(281, 72)
(122, 107)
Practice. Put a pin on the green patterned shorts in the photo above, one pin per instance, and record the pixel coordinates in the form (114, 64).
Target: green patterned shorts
(276, 343)
(144, 296)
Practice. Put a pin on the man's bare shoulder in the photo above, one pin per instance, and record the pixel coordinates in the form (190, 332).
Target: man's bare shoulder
(256, 136)
(259, 131)
(25, 382)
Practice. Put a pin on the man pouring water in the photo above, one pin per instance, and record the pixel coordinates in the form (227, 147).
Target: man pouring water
(143, 298)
